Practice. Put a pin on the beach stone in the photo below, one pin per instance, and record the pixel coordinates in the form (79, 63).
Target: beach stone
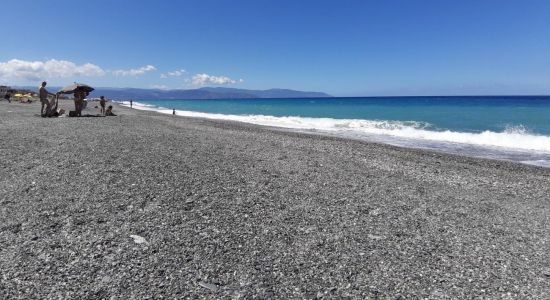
(106, 279)
(138, 239)
(375, 237)
(209, 286)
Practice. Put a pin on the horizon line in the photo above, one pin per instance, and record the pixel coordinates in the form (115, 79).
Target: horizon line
(329, 95)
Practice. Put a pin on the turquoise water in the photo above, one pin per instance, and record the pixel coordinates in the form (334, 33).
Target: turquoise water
(516, 128)
(469, 114)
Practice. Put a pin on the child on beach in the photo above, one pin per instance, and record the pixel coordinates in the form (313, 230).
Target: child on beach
(109, 111)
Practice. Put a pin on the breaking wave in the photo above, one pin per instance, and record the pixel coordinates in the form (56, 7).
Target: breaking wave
(517, 137)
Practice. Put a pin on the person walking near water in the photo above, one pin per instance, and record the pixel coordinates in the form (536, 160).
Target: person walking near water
(102, 104)
(43, 94)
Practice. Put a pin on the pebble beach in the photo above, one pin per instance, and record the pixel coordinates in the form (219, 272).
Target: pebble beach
(147, 206)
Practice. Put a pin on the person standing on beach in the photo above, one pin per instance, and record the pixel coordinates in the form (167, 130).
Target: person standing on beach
(43, 94)
(130, 103)
(102, 104)
(79, 96)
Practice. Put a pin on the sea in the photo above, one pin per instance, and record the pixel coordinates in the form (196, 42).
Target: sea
(515, 128)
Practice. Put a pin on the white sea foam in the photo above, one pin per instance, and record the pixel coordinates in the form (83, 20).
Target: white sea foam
(512, 138)
(537, 162)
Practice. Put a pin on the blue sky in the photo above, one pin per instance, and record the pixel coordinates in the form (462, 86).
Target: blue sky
(345, 48)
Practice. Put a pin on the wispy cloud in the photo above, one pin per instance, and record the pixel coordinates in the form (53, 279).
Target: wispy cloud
(176, 73)
(135, 72)
(38, 70)
(203, 79)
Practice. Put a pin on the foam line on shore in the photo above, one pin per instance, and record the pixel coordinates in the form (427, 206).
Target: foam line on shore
(516, 138)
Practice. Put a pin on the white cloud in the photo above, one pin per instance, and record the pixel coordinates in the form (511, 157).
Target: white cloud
(203, 79)
(159, 86)
(176, 73)
(38, 70)
(135, 72)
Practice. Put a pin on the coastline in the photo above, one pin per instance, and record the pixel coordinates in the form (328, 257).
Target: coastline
(515, 143)
(230, 209)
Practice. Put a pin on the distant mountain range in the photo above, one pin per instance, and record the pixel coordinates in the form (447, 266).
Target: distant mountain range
(202, 93)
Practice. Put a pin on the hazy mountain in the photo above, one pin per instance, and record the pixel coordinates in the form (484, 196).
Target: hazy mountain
(202, 93)
(271, 93)
(170, 94)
